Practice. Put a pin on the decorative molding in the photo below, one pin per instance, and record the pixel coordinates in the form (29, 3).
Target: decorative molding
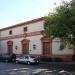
(10, 42)
(25, 35)
(21, 35)
(25, 41)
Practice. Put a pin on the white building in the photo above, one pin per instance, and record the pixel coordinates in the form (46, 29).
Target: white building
(27, 38)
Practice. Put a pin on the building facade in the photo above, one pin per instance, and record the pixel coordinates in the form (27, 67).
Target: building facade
(27, 38)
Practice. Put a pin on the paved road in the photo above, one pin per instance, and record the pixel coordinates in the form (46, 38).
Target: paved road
(40, 69)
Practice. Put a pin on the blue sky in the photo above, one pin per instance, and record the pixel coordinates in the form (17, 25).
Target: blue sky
(16, 11)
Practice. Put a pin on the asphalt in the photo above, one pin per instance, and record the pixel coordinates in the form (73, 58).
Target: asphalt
(43, 68)
(70, 66)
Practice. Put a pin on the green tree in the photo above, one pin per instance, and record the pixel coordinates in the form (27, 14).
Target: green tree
(61, 24)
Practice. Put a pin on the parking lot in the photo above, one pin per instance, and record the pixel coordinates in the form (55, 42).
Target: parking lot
(36, 69)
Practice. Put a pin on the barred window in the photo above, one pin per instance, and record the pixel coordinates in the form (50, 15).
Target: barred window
(25, 29)
(10, 32)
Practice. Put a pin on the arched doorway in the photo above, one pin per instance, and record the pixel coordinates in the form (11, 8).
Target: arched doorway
(10, 47)
(25, 46)
(46, 46)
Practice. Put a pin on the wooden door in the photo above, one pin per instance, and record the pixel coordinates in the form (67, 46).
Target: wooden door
(46, 48)
(10, 49)
(25, 48)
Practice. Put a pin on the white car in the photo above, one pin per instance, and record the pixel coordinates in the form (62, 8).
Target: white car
(26, 59)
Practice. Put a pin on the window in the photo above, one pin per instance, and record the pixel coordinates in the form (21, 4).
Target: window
(34, 46)
(25, 29)
(16, 47)
(10, 32)
(26, 57)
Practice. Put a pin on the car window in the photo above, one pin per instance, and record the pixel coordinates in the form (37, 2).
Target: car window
(26, 57)
(21, 57)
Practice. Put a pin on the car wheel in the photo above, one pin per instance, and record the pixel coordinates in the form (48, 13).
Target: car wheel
(28, 63)
(16, 62)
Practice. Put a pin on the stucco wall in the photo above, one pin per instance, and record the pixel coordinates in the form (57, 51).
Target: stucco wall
(56, 48)
(17, 42)
(38, 26)
(35, 40)
(3, 47)
(33, 27)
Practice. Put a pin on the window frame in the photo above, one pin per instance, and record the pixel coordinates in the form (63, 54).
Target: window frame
(10, 32)
(25, 29)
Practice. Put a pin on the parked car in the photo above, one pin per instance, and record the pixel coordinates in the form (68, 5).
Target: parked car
(8, 57)
(26, 59)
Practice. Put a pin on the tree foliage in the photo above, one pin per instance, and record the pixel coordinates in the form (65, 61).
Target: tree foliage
(61, 23)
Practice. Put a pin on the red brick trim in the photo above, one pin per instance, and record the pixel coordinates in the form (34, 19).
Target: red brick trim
(10, 43)
(25, 41)
(21, 35)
